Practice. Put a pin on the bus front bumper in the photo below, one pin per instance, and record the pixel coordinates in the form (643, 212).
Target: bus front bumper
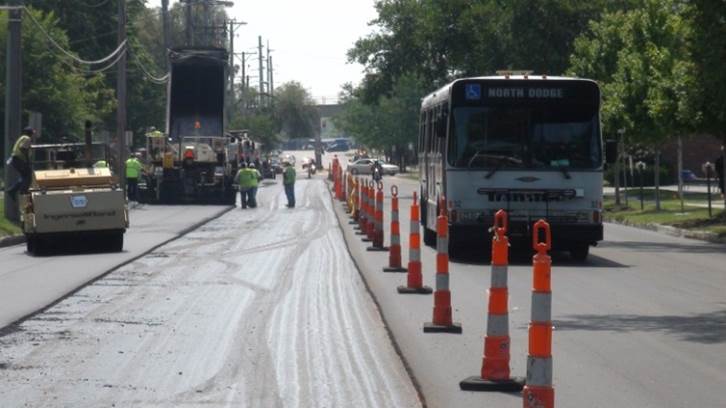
(564, 235)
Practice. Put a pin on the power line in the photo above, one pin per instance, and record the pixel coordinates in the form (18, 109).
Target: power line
(158, 80)
(118, 51)
(101, 4)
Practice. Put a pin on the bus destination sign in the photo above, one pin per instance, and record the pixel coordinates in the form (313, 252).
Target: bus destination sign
(525, 93)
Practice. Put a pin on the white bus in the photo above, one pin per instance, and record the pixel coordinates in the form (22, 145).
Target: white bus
(530, 145)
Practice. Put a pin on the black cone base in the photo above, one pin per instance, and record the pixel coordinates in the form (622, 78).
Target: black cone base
(399, 269)
(435, 328)
(376, 249)
(366, 239)
(424, 290)
(476, 383)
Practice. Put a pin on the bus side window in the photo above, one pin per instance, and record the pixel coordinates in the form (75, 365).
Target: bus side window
(428, 132)
(421, 133)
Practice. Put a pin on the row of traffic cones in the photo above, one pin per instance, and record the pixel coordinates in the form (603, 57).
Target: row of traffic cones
(495, 374)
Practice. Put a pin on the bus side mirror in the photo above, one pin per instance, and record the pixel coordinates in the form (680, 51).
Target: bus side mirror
(611, 151)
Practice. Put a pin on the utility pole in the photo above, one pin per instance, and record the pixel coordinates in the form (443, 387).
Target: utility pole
(233, 25)
(190, 24)
(121, 98)
(270, 74)
(167, 32)
(262, 77)
(13, 113)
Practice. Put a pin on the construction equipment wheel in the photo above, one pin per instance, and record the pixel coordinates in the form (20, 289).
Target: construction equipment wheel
(115, 242)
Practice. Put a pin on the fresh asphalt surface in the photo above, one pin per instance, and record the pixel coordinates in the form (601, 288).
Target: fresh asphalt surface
(258, 308)
(641, 324)
(29, 283)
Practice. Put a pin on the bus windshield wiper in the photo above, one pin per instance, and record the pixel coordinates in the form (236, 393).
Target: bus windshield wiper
(500, 163)
(564, 171)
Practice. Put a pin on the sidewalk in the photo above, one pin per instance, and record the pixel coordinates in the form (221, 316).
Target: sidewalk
(688, 188)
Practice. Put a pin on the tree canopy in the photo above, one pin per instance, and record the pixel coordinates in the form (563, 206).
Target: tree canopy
(659, 62)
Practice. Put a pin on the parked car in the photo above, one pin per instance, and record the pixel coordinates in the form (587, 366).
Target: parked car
(365, 166)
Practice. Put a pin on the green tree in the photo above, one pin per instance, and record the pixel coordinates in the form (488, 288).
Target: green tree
(709, 25)
(295, 111)
(391, 124)
(643, 59)
(438, 40)
(51, 84)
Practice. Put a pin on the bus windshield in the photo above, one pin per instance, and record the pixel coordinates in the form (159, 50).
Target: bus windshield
(564, 137)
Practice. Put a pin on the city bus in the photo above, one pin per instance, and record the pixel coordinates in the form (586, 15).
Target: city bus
(530, 145)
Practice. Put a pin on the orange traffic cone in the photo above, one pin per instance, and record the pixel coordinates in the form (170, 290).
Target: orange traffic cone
(367, 219)
(538, 393)
(378, 222)
(495, 364)
(360, 216)
(414, 279)
(370, 228)
(394, 250)
(363, 216)
(442, 321)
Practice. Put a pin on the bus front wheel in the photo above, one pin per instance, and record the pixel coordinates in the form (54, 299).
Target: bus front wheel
(580, 252)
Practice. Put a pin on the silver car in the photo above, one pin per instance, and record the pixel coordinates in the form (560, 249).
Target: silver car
(365, 166)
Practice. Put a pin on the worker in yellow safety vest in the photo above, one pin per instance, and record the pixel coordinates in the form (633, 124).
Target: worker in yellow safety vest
(20, 161)
(288, 181)
(133, 172)
(248, 178)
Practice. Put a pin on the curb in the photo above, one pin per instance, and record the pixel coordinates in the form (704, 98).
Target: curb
(12, 240)
(707, 236)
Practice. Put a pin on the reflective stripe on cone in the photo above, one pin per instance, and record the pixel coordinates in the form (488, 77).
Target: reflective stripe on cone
(414, 279)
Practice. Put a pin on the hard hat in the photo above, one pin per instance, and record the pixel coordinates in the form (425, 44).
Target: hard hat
(252, 165)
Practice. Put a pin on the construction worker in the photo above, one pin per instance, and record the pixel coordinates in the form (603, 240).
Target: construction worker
(20, 161)
(154, 133)
(288, 181)
(246, 180)
(133, 172)
(255, 178)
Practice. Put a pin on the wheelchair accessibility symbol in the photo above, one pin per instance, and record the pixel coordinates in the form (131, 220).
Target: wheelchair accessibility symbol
(473, 91)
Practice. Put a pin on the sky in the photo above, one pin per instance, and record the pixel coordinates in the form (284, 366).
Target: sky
(309, 39)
